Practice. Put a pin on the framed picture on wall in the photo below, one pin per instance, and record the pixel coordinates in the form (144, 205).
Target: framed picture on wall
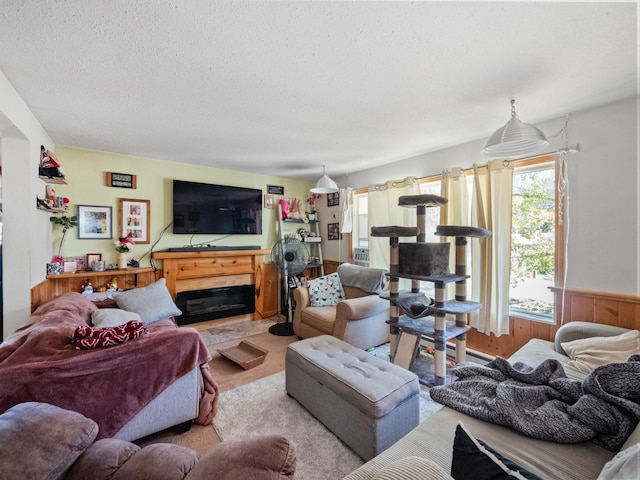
(333, 231)
(269, 201)
(94, 222)
(134, 219)
(333, 199)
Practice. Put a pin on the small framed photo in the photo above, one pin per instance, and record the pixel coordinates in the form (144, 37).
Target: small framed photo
(275, 189)
(133, 217)
(269, 201)
(94, 222)
(333, 199)
(92, 257)
(333, 231)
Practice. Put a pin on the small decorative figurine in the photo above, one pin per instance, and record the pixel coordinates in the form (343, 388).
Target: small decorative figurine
(86, 287)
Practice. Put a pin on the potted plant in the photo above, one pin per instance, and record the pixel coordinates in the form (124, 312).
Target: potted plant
(66, 223)
(312, 204)
(122, 247)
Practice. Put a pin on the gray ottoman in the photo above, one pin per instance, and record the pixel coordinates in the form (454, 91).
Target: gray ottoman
(368, 402)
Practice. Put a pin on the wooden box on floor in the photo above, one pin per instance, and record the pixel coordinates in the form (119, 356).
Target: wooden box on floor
(245, 354)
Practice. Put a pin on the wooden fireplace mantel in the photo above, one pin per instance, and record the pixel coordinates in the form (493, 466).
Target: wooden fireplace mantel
(187, 271)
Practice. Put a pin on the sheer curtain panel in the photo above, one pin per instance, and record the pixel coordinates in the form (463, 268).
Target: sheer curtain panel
(491, 257)
(384, 211)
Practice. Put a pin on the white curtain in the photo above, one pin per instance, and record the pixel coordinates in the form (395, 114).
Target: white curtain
(384, 211)
(346, 210)
(456, 212)
(454, 189)
(491, 257)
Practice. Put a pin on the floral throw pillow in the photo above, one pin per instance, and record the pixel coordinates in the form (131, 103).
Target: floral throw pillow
(326, 290)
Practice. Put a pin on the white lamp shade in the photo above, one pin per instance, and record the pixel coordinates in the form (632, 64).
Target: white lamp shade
(324, 185)
(515, 139)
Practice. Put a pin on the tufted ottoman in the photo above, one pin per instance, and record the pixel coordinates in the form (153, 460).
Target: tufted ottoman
(368, 402)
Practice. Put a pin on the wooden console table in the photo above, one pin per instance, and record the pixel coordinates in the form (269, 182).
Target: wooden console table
(187, 271)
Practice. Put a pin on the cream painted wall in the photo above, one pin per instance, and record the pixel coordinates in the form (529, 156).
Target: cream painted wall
(604, 208)
(86, 174)
(26, 231)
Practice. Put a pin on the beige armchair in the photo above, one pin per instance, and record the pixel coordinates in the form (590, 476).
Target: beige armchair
(360, 319)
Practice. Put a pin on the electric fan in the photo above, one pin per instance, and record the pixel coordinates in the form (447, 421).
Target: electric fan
(290, 256)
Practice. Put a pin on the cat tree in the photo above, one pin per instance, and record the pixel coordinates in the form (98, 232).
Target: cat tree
(421, 261)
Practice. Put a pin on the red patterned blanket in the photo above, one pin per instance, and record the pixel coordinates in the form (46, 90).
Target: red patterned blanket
(109, 385)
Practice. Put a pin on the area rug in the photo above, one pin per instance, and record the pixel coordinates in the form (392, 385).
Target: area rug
(263, 407)
(230, 375)
(235, 331)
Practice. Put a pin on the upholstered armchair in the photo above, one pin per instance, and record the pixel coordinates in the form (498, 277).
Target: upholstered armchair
(355, 313)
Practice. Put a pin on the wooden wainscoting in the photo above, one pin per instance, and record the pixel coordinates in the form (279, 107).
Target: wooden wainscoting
(330, 266)
(55, 285)
(579, 305)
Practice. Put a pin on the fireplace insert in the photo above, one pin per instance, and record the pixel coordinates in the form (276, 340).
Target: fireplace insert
(215, 303)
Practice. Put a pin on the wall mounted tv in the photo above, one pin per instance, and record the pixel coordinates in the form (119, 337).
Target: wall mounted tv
(216, 209)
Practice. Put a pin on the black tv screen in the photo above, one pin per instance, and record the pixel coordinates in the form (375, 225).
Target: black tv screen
(216, 209)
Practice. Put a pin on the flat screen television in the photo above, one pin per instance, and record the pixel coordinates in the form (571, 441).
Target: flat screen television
(216, 209)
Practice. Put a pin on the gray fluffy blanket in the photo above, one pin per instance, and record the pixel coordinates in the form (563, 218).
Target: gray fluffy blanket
(543, 403)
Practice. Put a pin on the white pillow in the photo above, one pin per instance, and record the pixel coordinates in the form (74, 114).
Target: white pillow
(152, 302)
(626, 464)
(112, 317)
(589, 353)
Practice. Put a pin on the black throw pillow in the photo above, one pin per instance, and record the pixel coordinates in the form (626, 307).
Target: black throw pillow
(474, 460)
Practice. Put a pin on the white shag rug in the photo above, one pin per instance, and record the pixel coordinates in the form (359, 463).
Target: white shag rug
(263, 407)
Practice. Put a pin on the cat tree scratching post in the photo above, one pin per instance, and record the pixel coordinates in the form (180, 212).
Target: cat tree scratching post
(421, 203)
(394, 233)
(425, 317)
(461, 233)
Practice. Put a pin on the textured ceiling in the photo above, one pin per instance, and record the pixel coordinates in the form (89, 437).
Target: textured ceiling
(285, 87)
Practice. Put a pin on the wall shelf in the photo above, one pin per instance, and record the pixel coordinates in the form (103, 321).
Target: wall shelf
(56, 180)
(52, 210)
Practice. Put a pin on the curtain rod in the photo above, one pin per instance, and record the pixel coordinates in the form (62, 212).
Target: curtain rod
(572, 149)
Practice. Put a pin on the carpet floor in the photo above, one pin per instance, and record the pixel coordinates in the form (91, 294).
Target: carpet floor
(263, 407)
(254, 402)
(229, 375)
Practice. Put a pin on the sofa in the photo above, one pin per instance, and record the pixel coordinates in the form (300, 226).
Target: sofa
(451, 444)
(42, 441)
(346, 305)
(131, 389)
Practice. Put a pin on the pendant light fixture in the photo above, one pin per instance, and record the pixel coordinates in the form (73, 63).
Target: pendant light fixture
(514, 139)
(324, 184)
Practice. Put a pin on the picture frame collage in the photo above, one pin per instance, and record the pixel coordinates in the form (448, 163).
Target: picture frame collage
(95, 222)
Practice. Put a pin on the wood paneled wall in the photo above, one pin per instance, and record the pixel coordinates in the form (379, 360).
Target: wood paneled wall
(55, 285)
(579, 305)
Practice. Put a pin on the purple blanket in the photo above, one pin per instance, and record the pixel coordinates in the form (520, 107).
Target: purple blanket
(109, 385)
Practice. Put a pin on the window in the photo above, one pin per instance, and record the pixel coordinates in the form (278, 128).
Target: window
(431, 186)
(534, 239)
(361, 212)
(536, 242)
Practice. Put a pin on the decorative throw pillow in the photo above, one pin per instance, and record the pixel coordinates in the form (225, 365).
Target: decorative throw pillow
(40, 440)
(474, 460)
(112, 317)
(626, 464)
(86, 337)
(589, 353)
(326, 290)
(152, 302)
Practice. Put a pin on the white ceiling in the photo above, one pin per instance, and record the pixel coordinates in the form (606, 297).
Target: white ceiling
(284, 87)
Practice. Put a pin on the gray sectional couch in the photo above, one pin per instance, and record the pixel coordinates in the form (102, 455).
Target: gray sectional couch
(427, 451)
